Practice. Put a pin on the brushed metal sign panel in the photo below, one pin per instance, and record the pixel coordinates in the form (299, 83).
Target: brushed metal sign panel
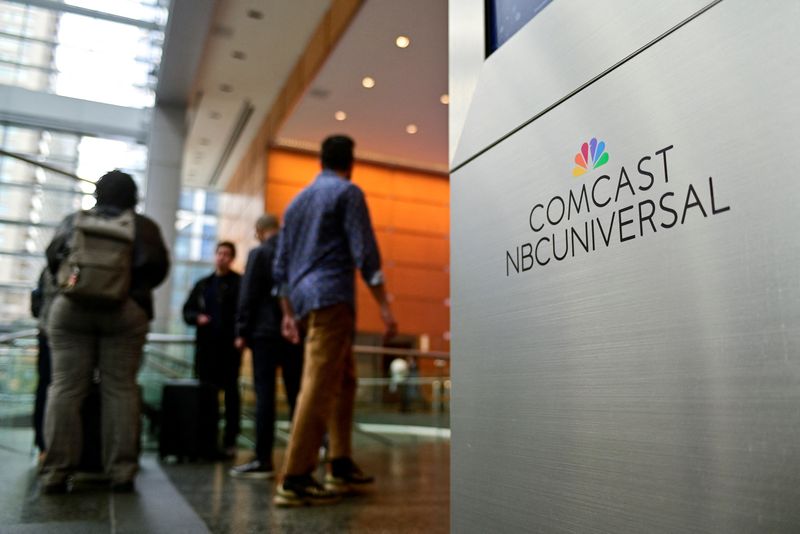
(567, 44)
(631, 362)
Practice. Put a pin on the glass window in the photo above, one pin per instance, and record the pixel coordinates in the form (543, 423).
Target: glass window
(507, 17)
(147, 10)
(84, 57)
(212, 202)
(33, 201)
(186, 202)
(182, 247)
(209, 249)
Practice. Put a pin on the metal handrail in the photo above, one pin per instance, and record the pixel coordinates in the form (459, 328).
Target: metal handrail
(390, 351)
(45, 166)
(20, 334)
(184, 339)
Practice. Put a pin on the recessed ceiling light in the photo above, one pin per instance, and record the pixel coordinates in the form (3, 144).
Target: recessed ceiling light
(402, 41)
(368, 82)
(340, 115)
(444, 99)
(411, 128)
(238, 54)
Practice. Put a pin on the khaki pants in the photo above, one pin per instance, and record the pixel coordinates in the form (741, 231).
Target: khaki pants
(82, 339)
(327, 391)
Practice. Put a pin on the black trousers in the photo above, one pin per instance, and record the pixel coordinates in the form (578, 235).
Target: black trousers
(43, 367)
(269, 354)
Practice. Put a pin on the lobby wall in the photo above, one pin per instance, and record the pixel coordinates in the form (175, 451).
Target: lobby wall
(410, 214)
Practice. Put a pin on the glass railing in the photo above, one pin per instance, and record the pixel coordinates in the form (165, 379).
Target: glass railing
(400, 391)
(18, 378)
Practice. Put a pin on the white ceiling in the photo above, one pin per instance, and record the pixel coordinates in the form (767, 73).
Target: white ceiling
(409, 83)
(251, 49)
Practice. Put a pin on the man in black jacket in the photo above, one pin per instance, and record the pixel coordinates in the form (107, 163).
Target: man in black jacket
(84, 337)
(41, 298)
(259, 328)
(211, 307)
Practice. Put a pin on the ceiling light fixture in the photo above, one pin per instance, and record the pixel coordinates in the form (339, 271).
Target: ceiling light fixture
(444, 99)
(402, 41)
(411, 129)
(340, 115)
(368, 82)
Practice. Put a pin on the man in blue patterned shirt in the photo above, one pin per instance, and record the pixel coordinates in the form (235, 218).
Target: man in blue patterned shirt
(327, 234)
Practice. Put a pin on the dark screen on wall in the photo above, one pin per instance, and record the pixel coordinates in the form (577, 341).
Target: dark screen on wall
(504, 18)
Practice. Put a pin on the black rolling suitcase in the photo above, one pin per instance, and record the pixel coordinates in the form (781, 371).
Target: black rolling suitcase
(189, 415)
(92, 451)
(92, 428)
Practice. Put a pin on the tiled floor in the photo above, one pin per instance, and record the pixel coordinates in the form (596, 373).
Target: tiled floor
(411, 494)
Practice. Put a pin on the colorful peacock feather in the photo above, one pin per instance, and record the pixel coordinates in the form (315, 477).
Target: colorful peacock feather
(592, 155)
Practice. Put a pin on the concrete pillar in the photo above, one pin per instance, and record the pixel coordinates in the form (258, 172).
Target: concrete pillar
(166, 141)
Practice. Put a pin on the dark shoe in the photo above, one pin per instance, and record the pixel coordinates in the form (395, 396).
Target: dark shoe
(55, 488)
(122, 487)
(303, 491)
(344, 473)
(229, 452)
(254, 469)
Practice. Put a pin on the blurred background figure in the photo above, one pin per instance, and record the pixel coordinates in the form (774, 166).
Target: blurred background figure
(259, 328)
(41, 298)
(211, 307)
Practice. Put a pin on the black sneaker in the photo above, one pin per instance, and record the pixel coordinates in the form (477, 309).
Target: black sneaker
(125, 486)
(56, 488)
(303, 491)
(344, 473)
(254, 469)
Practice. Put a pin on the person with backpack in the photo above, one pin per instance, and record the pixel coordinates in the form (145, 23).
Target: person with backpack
(106, 262)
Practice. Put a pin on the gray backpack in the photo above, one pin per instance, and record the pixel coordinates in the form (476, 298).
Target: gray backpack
(97, 270)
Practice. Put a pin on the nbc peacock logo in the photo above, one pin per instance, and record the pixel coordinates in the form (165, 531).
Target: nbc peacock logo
(592, 155)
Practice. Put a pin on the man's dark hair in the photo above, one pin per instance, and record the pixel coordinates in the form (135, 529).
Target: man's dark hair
(337, 153)
(116, 188)
(228, 244)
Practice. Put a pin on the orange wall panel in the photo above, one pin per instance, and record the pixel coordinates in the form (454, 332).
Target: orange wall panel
(279, 196)
(420, 217)
(287, 167)
(374, 180)
(410, 213)
(416, 249)
(411, 186)
(418, 283)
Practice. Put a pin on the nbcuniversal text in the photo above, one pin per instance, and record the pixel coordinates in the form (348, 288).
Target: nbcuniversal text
(558, 234)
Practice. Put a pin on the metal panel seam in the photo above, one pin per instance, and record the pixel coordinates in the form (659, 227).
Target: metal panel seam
(587, 84)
